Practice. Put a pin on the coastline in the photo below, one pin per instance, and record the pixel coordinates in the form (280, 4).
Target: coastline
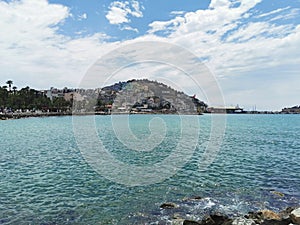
(175, 213)
(288, 216)
(8, 116)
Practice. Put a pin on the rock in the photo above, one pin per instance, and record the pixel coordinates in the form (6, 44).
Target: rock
(270, 215)
(295, 216)
(208, 221)
(255, 216)
(216, 219)
(177, 222)
(285, 214)
(168, 205)
(176, 216)
(277, 193)
(191, 222)
(276, 222)
(194, 198)
(229, 222)
(219, 219)
(243, 221)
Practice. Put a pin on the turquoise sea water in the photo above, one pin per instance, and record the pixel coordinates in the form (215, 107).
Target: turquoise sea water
(46, 180)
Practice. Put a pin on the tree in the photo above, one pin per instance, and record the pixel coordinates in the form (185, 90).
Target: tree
(9, 82)
(14, 88)
(3, 97)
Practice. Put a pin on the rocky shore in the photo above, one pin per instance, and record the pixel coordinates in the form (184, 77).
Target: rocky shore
(289, 216)
(7, 116)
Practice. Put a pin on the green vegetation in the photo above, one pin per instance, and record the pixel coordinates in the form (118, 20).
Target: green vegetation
(27, 98)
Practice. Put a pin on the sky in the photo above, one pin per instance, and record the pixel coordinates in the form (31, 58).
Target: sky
(250, 47)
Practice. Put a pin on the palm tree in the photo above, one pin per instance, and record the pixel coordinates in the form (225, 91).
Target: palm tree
(9, 82)
(4, 87)
(14, 88)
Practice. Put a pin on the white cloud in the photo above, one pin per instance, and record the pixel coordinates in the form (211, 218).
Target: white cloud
(273, 12)
(82, 17)
(293, 13)
(220, 15)
(235, 45)
(229, 45)
(126, 27)
(119, 12)
(165, 26)
(31, 47)
(177, 12)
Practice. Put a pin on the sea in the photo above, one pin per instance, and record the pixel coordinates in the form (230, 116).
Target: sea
(120, 169)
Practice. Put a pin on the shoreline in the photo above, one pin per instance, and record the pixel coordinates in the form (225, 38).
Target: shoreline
(289, 215)
(10, 116)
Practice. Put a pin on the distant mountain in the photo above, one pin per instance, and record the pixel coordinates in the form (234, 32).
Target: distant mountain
(145, 96)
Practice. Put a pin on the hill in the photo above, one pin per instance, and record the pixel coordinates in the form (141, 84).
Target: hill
(145, 96)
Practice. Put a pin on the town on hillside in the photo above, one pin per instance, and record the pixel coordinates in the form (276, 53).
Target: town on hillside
(133, 96)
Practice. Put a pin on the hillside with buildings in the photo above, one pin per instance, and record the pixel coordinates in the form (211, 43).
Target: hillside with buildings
(151, 96)
(133, 96)
(144, 96)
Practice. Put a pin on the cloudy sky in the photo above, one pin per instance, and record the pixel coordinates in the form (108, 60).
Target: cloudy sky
(251, 47)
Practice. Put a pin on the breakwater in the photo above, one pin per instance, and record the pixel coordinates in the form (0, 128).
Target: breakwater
(6, 116)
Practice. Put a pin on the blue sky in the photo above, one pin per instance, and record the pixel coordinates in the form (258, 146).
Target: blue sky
(252, 48)
(96, 12)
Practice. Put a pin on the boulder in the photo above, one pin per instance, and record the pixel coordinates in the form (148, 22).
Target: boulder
(277, 193)
(191, 222)
(177, 221)
(219, 219)
(243, 221)
(168, 205)
(255, 216)
(286, 213)
(295, 216)
(276, 222)
(193, 198)
(270, 215)
(216, 219)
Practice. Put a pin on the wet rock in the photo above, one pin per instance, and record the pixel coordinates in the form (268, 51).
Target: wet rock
(255, 216)
(191, 222)
(177, 216)
(261, 216)
(219, 219)
(208, 221)
(168, 205)
(177, 221)
(229, 222)
(243, 221)
(285, 214)
(277, 193)
(270, 215)
(216, 219)
(194, 198)
(295, 216)
(276, 222)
